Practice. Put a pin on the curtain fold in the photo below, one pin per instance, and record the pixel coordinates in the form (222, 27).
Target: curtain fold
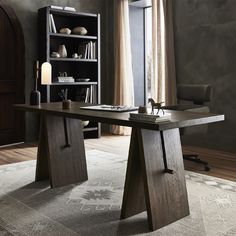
(124, 88)
(164, 74)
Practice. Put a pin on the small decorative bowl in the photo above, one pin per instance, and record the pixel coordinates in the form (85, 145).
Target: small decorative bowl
(85, 122)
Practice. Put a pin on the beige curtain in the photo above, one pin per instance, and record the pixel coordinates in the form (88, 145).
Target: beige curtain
(124, 88)
(164, 75)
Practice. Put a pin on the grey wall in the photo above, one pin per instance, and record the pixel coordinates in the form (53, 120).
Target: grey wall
(205, 44)
(26, 10)
(137, 47)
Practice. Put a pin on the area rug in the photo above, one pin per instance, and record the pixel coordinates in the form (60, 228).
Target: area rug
(93, 207)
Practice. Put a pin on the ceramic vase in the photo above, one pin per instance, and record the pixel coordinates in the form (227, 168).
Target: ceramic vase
(62, 51)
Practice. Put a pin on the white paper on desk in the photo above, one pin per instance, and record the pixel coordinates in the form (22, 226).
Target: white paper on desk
(110, 108)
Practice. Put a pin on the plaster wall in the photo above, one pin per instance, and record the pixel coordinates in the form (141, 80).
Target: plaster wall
(205, 47)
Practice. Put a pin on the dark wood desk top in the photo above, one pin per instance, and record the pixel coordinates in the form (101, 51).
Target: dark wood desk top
(179, 119)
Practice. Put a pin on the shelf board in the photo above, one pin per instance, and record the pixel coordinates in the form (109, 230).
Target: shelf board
(72, 60)
(90, 129)
(60, 12)
(59, 35)
(73, 83)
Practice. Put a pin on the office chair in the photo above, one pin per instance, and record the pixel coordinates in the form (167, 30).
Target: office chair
(192, 98)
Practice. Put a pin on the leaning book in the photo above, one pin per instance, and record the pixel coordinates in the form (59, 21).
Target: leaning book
(143, 117)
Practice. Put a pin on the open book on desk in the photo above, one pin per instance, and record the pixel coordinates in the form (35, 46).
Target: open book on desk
(150, 118)
(110, 108)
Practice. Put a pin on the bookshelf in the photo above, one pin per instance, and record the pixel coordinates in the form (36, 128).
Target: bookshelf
(76, 68)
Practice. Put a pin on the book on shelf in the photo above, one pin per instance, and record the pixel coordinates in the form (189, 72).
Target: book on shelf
(86, 94)
(49, 23)
(87, 50)
(150, 118)
(52, 22)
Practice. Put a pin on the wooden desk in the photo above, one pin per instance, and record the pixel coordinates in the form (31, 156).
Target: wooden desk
(155, 180)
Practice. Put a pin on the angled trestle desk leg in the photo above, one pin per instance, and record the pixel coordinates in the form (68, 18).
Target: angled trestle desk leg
(148, 186)
(61, 152)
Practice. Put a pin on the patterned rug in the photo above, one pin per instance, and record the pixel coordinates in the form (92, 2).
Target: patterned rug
(93, 207)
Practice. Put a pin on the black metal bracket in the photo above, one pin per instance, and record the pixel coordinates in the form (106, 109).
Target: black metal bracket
(166, 170)
(67, 144)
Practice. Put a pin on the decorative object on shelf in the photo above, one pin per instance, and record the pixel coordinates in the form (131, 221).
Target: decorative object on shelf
(142, 109)
(56, 7)
(82, 80)
(88, 50)
(66, 103)
(66, 8)
(35, 96)
(85, 122)
(75, 55)
(46, 73)
(157, 105)
(65, 31)
(63, 78)
(55, 55)
(80, 30)
(62, 51)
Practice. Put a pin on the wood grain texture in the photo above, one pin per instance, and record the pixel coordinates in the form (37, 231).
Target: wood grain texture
(179, 119)
(165, 194)
(223, 163)
(62, 164)
(133, 198)
(42, 166)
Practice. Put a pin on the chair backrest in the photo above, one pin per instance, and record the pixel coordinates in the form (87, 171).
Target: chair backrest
(197, 93)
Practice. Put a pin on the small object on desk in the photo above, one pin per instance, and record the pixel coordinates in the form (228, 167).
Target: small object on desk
(66, 104)
(150, 118)
(157, 105)
(142, 109)
(111, 108)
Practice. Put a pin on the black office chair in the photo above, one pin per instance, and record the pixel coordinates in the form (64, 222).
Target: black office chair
(192, 98)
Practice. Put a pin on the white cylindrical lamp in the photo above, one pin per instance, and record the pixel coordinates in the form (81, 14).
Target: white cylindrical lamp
(46, 73)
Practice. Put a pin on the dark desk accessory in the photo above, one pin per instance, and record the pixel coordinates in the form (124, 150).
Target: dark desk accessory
(66, 103)
(157, 105)
(142, 109)
(35, 96)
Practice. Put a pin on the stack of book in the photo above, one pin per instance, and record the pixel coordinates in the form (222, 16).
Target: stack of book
(149, 118)
(66, 79)
(88, 50)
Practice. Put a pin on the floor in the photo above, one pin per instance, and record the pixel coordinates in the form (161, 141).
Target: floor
(223, 164)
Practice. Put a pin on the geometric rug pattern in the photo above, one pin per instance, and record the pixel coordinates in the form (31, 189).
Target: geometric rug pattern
(93, 207)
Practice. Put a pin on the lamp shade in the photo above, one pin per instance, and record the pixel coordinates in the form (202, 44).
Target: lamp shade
(46, 73)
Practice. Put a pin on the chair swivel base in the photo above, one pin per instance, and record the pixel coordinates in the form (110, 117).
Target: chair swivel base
(196, 159)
